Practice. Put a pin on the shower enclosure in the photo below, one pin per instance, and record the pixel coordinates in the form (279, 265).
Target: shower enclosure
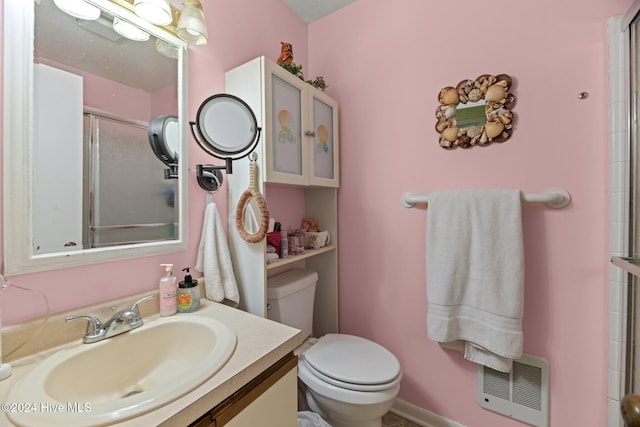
(125, 196)
(624, 188)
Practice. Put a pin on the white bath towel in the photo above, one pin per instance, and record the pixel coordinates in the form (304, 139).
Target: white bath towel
(475, 274)
(214, 260)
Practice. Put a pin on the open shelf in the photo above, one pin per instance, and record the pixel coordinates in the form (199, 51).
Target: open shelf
(294, 258)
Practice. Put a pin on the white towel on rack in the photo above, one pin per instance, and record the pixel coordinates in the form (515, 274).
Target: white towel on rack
(214, 260)
(475, 274)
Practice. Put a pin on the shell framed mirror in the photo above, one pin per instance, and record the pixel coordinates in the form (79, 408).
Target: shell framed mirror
(475, 112)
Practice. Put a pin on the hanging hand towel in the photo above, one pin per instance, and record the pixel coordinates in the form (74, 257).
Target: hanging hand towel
(475, 274)
(214, 260)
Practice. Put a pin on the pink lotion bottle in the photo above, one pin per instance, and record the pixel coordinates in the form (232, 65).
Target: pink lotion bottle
(168, 292)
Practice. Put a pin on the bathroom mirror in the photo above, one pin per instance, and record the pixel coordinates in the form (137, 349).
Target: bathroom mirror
(35, 30)
(250, 215)
(475, 112)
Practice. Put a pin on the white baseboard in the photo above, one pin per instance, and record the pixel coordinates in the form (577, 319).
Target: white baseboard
(421, 416)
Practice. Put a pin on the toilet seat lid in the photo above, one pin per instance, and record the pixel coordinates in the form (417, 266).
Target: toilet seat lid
(352, 359)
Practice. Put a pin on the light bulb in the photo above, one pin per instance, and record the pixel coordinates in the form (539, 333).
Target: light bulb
(168, 50)
(78, 9)
(155, 11)
(129, 31)
(191, 26)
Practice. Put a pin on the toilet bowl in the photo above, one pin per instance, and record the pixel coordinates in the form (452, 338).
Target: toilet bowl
(350, 381)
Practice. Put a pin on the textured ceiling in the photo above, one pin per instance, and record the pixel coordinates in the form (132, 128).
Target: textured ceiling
(93, 46)
(311, 10)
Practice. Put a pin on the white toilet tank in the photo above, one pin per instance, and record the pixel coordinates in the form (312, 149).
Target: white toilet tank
(290, 297)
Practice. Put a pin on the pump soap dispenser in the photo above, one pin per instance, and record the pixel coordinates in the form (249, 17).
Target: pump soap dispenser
(167, 292)
(188, 294)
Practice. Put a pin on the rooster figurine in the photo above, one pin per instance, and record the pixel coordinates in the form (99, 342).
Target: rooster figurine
(286, 53)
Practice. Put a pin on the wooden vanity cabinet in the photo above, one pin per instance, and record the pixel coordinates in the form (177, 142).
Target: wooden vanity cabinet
(269, 400)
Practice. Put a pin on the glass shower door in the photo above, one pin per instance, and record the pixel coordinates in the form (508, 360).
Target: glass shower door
(129, 201)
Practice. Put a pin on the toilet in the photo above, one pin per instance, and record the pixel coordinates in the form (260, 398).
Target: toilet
(350, 381)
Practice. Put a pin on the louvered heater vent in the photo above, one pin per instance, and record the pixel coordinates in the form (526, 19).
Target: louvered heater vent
(522, 394)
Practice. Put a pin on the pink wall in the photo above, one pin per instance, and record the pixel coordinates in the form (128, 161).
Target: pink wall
(123, 100)
(385, 62)
(239, 30)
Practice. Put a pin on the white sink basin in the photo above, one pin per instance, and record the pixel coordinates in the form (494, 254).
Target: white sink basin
(123, 376)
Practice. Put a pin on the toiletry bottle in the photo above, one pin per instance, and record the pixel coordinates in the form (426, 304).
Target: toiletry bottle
(167, 294)
(188, 294)
(284, 244)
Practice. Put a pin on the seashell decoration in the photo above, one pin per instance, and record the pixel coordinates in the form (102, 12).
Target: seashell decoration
(494, 91)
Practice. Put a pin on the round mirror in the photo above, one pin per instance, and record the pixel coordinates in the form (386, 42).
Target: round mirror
(164, 137)
(252, 213)
(226, 126)
(252, 216)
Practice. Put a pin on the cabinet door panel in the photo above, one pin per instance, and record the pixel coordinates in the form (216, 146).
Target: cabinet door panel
(324, 151)
(323, 141)
(286, 127)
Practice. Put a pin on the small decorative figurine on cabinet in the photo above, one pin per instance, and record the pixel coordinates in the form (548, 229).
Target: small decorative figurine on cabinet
(286, 53)
(285, 60)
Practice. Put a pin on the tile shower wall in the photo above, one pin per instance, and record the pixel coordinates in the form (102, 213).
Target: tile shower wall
(618, 214)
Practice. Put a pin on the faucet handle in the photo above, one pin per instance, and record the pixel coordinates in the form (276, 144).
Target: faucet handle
(136, 311)
(94, 326)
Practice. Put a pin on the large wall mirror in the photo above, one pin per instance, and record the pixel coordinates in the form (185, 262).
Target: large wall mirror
(81, 181)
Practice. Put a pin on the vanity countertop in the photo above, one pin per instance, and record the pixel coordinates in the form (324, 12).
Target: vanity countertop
(260, 344)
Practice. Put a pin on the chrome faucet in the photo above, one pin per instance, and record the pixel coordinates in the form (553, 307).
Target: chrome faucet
(121, 321)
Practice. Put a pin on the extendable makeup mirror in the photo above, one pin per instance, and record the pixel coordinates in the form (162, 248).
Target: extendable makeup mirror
(164, 137)
(226, 128)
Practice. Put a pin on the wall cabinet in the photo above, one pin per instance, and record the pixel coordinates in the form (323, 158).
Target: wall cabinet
(298, 148)
(299, 124)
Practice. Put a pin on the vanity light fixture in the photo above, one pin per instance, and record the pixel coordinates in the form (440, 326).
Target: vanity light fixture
(155, 11)
(166, 49)
(129, 31)
(78, 9)
(191, 26)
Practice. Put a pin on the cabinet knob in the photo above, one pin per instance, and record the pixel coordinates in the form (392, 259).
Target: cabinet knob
(310, 133)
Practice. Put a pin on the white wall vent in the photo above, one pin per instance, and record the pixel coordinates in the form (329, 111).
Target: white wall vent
(522, 394)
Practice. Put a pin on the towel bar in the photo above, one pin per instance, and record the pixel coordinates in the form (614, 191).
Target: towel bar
(554, 198)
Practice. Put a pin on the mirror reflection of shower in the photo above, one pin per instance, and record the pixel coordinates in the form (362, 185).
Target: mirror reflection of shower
(121, 195)
(127, 199)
